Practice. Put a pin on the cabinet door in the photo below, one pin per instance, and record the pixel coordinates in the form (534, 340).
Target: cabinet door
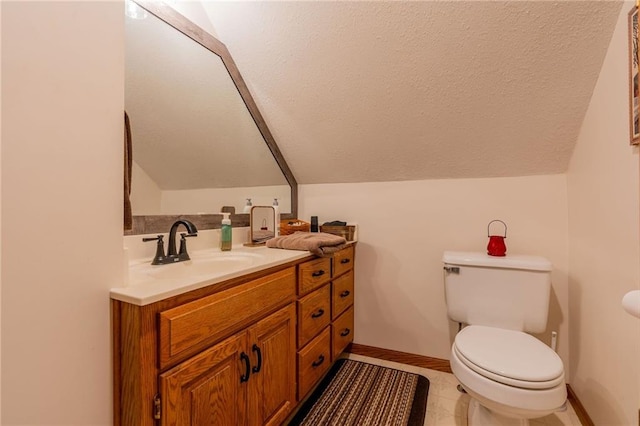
(208, 389)
(272, 385)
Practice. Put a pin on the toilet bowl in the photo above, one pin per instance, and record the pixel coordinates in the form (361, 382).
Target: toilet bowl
(510, 375)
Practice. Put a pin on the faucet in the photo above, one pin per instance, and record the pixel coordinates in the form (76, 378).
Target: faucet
(192, 232)
(173, 256)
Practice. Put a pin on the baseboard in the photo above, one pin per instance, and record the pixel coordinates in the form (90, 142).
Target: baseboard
(578, 407)
(401, 357)
(444, 366)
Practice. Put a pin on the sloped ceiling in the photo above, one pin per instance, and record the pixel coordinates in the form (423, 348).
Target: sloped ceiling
(386, 91)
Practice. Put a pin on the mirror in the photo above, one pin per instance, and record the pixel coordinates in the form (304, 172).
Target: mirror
(199, 141)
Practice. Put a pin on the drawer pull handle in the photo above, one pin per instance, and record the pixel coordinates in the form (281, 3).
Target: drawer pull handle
(317, 314)
(345, 332)
(318, 273)
(318, 362)
(247, 366)
(345, 293)
(256, 348)
(345, 261)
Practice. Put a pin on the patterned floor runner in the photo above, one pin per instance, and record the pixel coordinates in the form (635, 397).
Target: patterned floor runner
(357, 393)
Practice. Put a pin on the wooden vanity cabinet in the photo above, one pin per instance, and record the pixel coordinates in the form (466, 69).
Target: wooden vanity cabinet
(325, 315)
(220, 355)
(228, 384)
(242, 352)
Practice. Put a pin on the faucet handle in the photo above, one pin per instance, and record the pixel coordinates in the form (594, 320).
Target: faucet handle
(183, 245)
(159, 258)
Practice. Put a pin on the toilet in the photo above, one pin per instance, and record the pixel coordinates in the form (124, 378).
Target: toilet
(510, 375)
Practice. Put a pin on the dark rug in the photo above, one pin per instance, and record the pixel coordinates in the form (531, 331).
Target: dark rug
(357, 393)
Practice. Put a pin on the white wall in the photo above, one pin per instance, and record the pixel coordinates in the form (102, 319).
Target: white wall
(62, 98)
(604, 248)
(211, 200)
(406, 226)
(148, 199)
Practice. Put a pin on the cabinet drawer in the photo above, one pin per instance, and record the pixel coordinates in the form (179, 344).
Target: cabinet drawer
(341, 294)
(313, 274)
(313, 361)
(343, 261)
(191, 327)
(341, 333)
(314, 314)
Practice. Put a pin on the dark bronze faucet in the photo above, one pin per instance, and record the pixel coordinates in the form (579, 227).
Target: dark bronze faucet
(173, 256)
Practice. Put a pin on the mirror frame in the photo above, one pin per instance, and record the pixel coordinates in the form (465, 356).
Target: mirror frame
(161, 223)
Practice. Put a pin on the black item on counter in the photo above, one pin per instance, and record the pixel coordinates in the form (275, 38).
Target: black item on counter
(335, 223)
(314, 223)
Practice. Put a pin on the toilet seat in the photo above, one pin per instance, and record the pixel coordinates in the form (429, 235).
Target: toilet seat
(509, 401)
(509, 357)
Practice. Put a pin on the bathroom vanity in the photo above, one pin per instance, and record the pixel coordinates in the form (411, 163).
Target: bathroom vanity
(236, 349)
(225, 338)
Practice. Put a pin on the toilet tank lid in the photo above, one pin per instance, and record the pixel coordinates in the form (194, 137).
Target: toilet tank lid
(510, 261)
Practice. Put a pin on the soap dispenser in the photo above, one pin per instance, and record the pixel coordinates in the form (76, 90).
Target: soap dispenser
(225, 233)
(247, 207)
(276, 210)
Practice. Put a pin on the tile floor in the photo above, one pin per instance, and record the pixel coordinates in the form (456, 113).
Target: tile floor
(448, 407)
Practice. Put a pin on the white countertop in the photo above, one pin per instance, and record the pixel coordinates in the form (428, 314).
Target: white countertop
(151, 283)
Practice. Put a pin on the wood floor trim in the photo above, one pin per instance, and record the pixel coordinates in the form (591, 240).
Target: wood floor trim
(401, 357)
(578, 407)
(444, 366)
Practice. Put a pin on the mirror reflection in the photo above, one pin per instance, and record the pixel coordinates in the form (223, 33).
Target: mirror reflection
(196, 147)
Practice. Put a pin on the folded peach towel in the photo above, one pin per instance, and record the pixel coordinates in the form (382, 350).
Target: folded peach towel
(319, 243)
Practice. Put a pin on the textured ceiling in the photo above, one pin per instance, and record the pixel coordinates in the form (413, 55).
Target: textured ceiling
(383, 91)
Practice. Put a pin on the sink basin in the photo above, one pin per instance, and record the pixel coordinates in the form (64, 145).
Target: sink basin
(209, 263)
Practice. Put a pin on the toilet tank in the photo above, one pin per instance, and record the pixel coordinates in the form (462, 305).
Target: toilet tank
(509, 292)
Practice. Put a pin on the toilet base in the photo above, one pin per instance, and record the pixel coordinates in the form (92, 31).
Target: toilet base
(479, 415)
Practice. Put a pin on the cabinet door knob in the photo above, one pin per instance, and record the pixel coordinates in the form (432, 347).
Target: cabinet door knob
(317, 314)
(345, 332)
(318, 362)
(345, 261)
(345, 293)
(256, 368)
(247, 367)
(318, 273)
